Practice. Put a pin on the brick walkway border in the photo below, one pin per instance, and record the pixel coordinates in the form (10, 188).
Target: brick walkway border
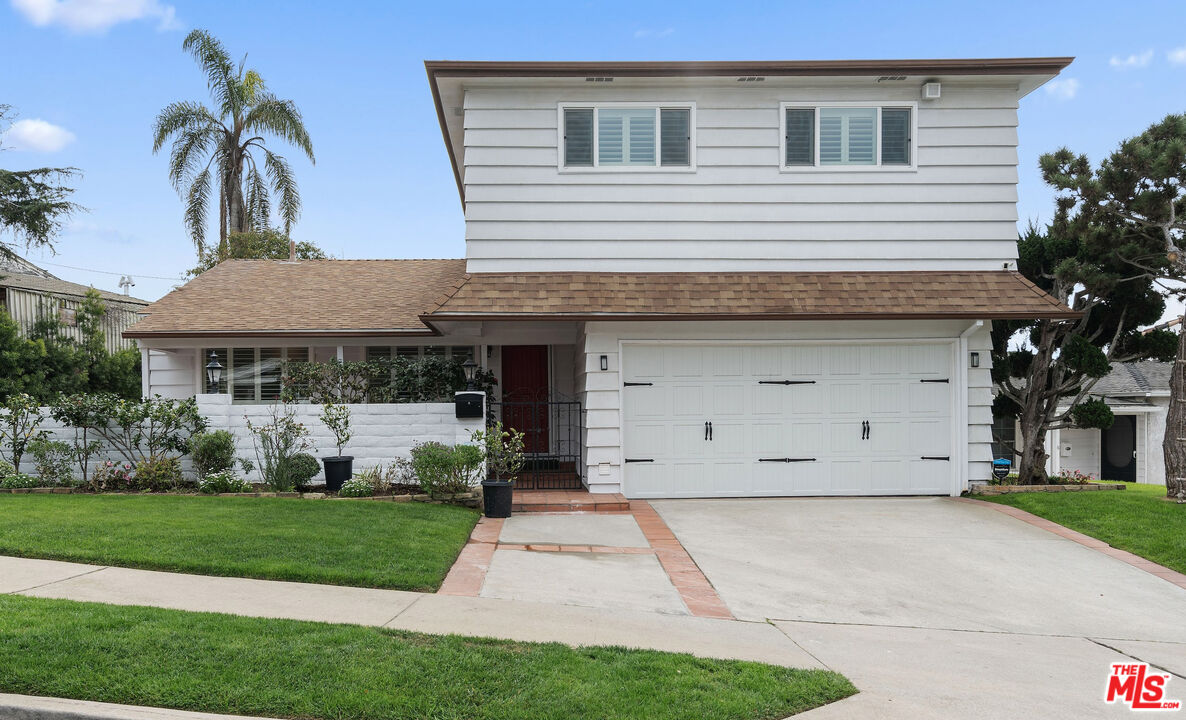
(1136, 561)
(469, 571)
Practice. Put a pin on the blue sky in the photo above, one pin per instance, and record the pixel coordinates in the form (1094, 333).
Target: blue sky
(382, 187)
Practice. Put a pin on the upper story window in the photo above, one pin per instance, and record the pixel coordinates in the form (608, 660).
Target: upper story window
(627, 136)
(847, 136)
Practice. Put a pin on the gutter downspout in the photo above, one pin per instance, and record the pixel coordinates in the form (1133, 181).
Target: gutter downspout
(962, 405)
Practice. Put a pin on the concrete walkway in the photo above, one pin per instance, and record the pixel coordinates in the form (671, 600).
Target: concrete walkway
(420, 612)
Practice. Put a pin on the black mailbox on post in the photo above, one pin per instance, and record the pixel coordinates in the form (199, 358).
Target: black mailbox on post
(470, 405)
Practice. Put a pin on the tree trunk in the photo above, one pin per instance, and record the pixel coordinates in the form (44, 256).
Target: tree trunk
(1174, 442)
(1031, 467)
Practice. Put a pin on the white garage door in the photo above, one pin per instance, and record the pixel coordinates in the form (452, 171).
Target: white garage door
(748, 420)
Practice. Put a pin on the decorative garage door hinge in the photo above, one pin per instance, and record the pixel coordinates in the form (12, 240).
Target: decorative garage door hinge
(929, 380)
(786, 382)
(786, 460)
(630, 460)
(936, 457)
(635, 384)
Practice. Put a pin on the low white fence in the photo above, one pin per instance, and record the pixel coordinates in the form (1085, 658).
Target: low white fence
(381, 432)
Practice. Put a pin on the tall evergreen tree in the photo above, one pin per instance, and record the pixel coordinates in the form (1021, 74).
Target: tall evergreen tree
(1140, 188)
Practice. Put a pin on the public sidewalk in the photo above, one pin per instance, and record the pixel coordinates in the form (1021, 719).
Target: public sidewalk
(420, 612)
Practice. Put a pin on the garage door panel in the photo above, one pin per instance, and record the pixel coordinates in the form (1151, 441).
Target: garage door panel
(848, 398)
(728, 399)
(844, 359)
(929, 360)
(821, 422)
(806, 439)
(687, 401)
(886, 398)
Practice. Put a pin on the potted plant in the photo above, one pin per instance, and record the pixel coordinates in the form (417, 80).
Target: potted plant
(337, 469)
(503, 451)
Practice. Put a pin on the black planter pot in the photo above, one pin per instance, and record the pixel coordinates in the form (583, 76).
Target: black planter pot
(337, 471)
(496, 498)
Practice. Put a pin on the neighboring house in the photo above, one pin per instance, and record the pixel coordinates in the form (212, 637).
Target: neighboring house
(691, 279)
(1130, 450)
(28, 292)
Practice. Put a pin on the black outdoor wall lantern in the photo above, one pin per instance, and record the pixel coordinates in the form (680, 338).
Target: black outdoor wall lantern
(213, 373)
(470, 368)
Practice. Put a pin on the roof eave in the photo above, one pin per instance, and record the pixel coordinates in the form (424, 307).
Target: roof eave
(378, 332)
(592, 317)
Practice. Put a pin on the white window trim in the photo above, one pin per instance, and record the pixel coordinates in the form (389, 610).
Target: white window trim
(656, 168)
(879, 168)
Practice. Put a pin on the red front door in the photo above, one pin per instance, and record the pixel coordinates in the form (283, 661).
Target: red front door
(525, 394)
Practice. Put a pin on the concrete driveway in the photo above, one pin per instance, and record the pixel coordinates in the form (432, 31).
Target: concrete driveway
(936, 608)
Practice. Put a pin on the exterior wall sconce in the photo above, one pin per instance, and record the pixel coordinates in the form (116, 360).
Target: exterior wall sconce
(470, 368)
(605, 362)
(213, 373)
(974, 359)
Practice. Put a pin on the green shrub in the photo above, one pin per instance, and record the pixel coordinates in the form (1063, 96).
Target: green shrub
(304, 467)
(20, 480)
(444, 470)
(356, 486)
(212, 452)
(53, 461)
(224, 481)
(378, 478)
(277, 445)
(503, 449)
(110, 477)
(6, 469)
(157, 474)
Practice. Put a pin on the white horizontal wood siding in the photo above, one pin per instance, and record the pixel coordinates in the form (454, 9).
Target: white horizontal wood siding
(738, 210)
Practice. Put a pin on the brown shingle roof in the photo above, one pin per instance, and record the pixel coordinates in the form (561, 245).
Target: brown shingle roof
(767, 295)
(277, 297)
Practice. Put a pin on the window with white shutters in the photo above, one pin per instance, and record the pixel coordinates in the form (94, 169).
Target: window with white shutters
(627, 136)
(846, 136)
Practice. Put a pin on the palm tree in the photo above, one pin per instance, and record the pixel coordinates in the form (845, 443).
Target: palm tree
(223, 144)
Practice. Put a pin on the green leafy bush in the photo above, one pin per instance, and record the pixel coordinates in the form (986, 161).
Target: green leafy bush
(53, 461)
(383, 380)
(158, 474)
(277, 444)
(356, 487)
(223, 481)
(336, 417)
(212, 452)
(304, 467)
(443, 469)
(20, 480)
(6, 469)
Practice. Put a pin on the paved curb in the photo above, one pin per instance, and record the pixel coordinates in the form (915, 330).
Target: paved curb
(29, 707)
(1140, 563)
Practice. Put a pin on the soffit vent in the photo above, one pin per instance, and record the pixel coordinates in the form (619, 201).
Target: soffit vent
(599, 79)
(751, 78)
(891, 78)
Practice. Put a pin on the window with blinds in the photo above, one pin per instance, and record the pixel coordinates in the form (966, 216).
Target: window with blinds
(253, 375)
(633, 137)
(846, 136)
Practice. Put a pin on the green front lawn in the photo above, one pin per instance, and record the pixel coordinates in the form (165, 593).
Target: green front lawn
(284, 668)
(406, 546)
(1136, 519)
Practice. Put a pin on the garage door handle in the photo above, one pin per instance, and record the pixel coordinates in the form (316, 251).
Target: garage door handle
(786, 382)
(634, 460)
(786, 460)
(705, 431)
(928, 380)
(936, 457)
(636, 384)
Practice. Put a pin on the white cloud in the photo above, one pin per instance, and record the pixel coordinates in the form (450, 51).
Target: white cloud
(645, 33)
(1132, 61)
(1063, 89)
(95, 16)
(37, 136)
(1177, 56)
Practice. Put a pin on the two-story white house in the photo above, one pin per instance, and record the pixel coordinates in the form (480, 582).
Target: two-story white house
(691, 279)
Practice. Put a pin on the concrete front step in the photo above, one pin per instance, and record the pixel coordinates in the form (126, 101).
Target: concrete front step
(528, 501)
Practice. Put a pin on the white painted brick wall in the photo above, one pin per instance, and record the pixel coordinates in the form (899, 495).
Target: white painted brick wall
(382, 432)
